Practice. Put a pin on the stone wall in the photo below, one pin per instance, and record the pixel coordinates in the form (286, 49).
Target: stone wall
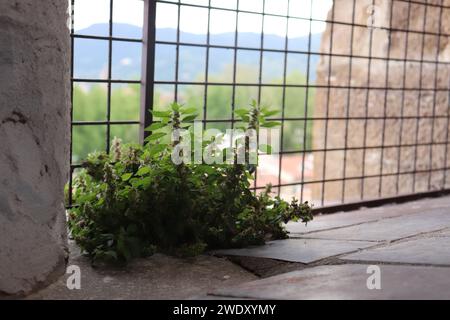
(393, 103)
(34, 131)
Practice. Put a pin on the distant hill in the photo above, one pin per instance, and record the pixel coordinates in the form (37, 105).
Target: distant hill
(91, 56)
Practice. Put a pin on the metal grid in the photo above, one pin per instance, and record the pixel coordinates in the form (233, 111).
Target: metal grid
(110, 39)
(323, 182)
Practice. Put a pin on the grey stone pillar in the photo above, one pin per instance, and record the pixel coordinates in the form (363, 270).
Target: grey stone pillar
(34, 144)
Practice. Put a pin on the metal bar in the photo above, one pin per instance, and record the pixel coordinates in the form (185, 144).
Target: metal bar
(106, 81)
(402, 110)
(148, 67)
(233, 88)
(444, 181)
(109, 86)
(328, 86)
(320, 54)
(261, 61)
(347, 112)
(305, 124)
(276, 85)
(338, 118)
(205, 96)
(366, 110)
(405, 54)
(364, 147)
(283, 101)
(321, 181)
(261, 51)
(96, 123)
(436, 71)
(83, 36)
(422, 53)
(177, 54)
(380, 202)
(380, 184)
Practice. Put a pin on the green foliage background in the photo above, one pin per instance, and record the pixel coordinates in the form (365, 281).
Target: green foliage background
(90, 105)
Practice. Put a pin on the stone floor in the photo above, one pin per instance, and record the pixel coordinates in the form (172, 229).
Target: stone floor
(410, 243)
(327, 259)
(157, 277)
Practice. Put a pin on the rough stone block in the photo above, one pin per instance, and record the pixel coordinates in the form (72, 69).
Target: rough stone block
(34, 132)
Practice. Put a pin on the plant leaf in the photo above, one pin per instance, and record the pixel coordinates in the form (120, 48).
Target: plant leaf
(188, 110)
(271, 124)
(155, 136)
(126, 176)
(161, 114)
(175, 106)
(270, 113)
(142, 171)
(245, 118)
(157, 148)
(190, 118)
(155, 126)
(241, 112)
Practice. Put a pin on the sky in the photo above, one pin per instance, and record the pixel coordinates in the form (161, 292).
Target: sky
(195, 20)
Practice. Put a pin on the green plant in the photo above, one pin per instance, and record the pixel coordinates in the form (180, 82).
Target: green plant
(90, 102)
(137, 200)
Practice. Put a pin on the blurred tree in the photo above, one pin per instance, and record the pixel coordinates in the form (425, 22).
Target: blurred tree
(90, 104)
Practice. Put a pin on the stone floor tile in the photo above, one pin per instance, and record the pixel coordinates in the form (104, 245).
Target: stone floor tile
(434, 250)
(343, 219)
(299, 250)
(390, 229)
(348, 282)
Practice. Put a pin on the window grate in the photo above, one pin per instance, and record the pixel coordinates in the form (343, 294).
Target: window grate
(344, 93)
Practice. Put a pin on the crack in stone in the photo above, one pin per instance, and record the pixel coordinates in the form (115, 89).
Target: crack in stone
(267, 267)
(16, 118)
